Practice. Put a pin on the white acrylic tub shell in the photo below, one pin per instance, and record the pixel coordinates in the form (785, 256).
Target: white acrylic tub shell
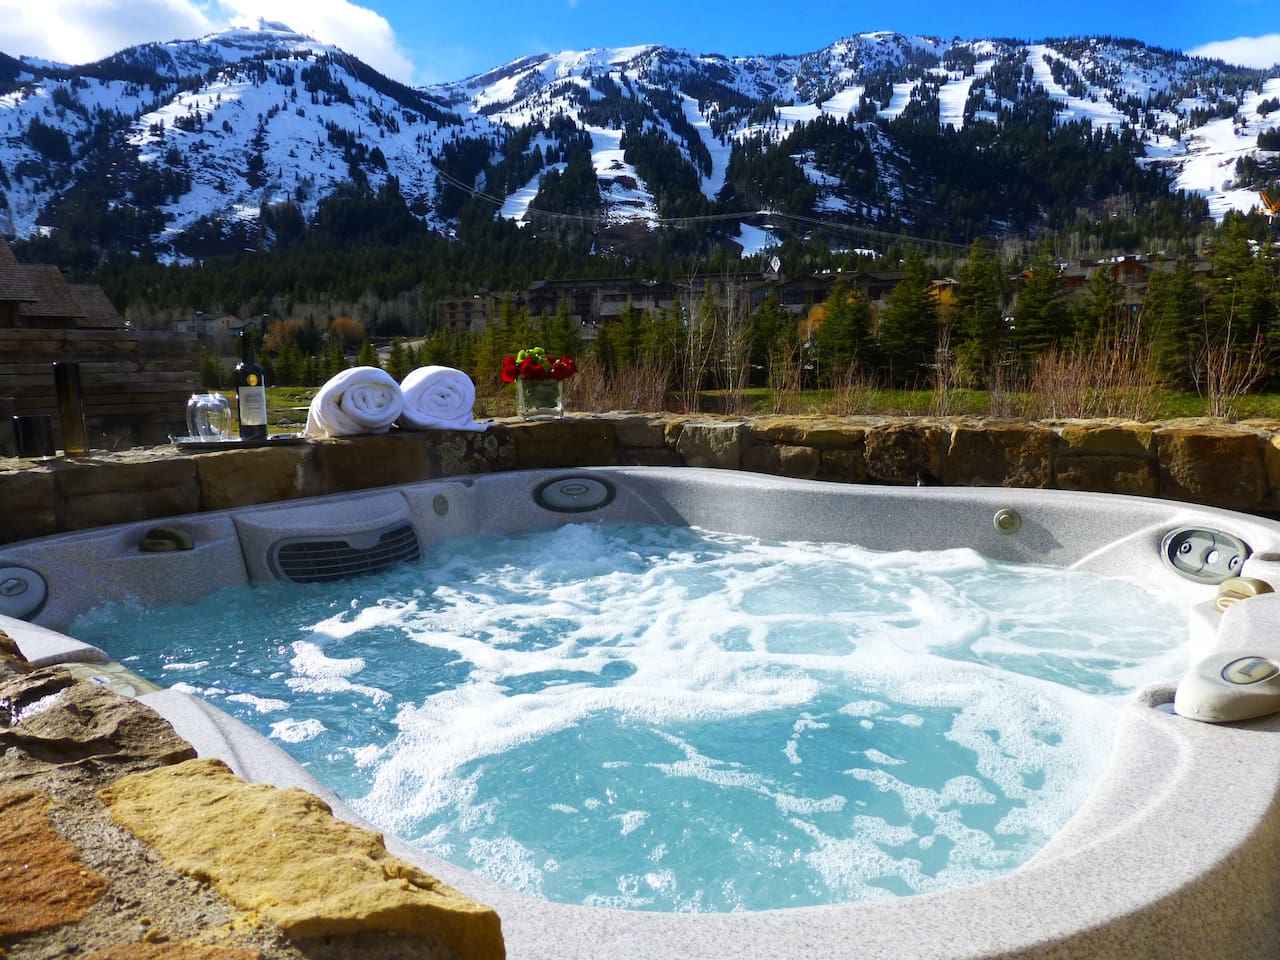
(1174, 854)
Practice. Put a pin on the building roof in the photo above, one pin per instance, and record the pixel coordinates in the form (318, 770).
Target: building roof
(100, 313)
(14, 285)
(54, 300)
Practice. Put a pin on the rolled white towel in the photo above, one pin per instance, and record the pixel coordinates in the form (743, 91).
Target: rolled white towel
(357, 400)
(439, 398)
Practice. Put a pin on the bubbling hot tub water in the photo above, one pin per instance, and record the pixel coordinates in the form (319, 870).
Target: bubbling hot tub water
(664, 718)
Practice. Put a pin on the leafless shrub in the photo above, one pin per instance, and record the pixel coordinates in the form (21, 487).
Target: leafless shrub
(1008, 394)
(1111, 377)
(853, 392)
(786, 371)
(1228, 371)
(641, 387)
(944, 375)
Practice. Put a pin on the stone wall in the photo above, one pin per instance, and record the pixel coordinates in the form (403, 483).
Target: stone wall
(1225, 465)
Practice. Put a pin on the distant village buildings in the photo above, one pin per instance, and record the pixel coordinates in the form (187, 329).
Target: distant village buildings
(592, 303)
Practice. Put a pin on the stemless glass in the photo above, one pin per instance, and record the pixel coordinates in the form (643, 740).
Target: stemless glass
(209, 417)
(221, 419)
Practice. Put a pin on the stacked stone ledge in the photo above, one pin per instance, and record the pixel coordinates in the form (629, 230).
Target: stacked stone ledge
(120, 844)
(1207, 462)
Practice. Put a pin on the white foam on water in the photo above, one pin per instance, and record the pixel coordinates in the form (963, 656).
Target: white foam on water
(882, 758)
(296, 731)
(316, 673)
(259, 704)
(631, 821)
(507, 862)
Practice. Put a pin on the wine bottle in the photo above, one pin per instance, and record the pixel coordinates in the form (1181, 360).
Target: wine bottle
(251, 392)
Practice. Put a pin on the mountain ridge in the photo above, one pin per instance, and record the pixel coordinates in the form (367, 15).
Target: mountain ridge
(190, 148)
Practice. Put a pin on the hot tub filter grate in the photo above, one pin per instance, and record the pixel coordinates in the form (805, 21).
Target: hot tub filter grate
(318, 561)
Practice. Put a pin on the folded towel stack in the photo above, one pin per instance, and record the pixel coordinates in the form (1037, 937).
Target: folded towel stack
(439, 398)
(357, 400)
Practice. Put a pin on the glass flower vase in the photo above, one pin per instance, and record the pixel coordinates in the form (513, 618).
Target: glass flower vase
(540, 399)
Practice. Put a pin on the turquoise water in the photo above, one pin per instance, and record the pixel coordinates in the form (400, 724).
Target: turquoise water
(670, 719)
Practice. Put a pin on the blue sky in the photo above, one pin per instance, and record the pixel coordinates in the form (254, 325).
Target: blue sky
(422, 41)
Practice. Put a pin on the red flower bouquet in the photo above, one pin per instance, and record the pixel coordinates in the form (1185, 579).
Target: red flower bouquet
(539, 381)
(533, 363)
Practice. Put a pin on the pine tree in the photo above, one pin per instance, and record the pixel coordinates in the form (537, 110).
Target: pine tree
(1098, 313)
(1173, 315)
(1245, 295)
(289, 365)
(559, 334)
(334, 362)
(210, 373)
(624, 340)
(368, 356)
(909, 324)
(1040, 316)
(774, 339)
(842, 338)
(979, 316)
(399, 361)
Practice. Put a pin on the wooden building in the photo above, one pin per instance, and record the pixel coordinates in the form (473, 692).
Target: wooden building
(135, 383)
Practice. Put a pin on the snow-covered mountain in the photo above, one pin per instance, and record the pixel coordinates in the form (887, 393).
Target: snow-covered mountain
(196, 146)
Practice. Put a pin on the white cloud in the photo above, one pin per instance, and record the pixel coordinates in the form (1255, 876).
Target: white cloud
(80, 31)
(357, 30)
(76, 31)
(1261, 52)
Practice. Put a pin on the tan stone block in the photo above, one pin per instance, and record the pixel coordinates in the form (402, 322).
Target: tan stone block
(1129, 475)
(283, 854)
(713, 444)
(1220, 468)
(846, 466)
(174, 951)
(834, 436)
(1107, 439)
(1271, 463)
(356, 463)
(649, 457)
(99, 493)
(456, 453)
(779, 428)
(164, 468)
(79, 721)
(809, 432)
(1000, 456)
(896, 452)
(28, 504)
(640, 431)
(798, 461)
(762, 458)
(237, 478)
(570, 442)
(672, 427)
(12, 662)
(43, 881)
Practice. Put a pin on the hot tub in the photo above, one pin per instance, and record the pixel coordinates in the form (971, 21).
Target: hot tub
(1173, 853)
